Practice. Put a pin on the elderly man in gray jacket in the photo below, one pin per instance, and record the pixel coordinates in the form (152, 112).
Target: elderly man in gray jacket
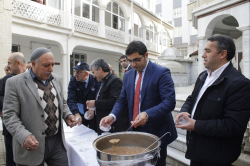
(33, 112)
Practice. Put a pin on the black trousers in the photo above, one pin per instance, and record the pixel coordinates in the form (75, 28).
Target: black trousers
(55, 153)
(9, 150)
(162, 161)
(200, 163)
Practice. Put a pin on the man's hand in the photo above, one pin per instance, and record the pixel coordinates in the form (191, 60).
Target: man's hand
(180, 115)
(107, 120)
(189, 125)
(30, 143)
(90, 104)
(71, 121)
(140, 120)
(78, 119)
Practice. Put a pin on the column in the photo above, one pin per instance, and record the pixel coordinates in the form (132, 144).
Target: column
(157, 42)
(5, 33)
(132, 21)
(144, 28)
(67, 14)
(245, 50)
(126, 30)
(65, 74)
(202, 41)
(101, 28)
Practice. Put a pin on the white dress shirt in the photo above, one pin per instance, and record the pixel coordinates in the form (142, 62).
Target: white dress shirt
(211, 77)
(136, 79)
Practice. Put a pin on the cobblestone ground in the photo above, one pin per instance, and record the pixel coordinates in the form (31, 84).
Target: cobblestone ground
(2, 150)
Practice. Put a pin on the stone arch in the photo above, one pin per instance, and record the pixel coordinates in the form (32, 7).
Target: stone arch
(213, 22)
(141, 18)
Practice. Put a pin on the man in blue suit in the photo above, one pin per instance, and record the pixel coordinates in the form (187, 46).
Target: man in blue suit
(148, 92)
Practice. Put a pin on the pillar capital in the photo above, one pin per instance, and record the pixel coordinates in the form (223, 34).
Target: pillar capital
(102, 7)
(243, 28)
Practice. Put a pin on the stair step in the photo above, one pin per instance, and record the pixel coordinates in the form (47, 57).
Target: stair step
(179, 143)
(177, 155)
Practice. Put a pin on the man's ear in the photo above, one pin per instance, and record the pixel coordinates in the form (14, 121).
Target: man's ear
(223, 54)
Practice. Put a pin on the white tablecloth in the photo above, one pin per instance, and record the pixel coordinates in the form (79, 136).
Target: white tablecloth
(79, 141)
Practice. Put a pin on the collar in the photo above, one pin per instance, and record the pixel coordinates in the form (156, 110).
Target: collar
(218, 72)
(106, 77)
(127, 67)
(35, 77)
(87, 80)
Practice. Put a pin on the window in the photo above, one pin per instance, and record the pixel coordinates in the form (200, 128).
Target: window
(88, 9)
(177, 13)
(158, 2)
(75, 58)
(150, 32)
(165, 38)
(193, 30)
(137, 26)
(57, 4)
(177, 31)
(114, 16)
(182, 51)
(15, 48)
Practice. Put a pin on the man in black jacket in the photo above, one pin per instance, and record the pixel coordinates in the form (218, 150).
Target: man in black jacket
(218, 110)
(82, 87)
(108, 93)
(16, 65)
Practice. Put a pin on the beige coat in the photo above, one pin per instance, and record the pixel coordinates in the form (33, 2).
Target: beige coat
(23, 116)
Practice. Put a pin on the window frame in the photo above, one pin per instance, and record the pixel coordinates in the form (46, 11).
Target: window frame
(176, 14)
(90, 10)
(117, 15)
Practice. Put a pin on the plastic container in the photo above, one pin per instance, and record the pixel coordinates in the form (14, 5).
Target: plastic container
(105, 127)
(89, 115)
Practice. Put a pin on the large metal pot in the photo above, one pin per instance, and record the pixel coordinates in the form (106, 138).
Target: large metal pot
(136, 139)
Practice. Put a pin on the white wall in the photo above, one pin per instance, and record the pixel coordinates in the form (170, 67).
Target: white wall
(27, 48)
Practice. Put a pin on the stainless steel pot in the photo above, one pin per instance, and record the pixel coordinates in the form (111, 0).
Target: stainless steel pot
(137, 139)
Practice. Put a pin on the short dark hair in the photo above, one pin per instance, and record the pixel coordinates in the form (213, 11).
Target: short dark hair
(136, 46)
(224, 43)
(100, 63)
(123, 56)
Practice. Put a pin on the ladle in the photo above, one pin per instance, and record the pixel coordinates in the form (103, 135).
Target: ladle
(156, 141)
(115, 141)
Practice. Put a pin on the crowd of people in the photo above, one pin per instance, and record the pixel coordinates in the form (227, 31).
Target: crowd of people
(33, 107)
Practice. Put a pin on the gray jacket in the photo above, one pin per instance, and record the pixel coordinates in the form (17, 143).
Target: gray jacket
(23, 116)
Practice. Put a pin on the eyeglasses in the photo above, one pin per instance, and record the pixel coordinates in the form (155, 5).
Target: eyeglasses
(137, 60)
(123, 61)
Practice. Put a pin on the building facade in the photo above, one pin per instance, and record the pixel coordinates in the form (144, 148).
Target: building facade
(78, 30)
(184, 34)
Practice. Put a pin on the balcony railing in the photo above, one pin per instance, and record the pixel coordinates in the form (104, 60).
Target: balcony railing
(34, 11)
(151, 46)
(45, 14)
(86, 26)
(115, 35)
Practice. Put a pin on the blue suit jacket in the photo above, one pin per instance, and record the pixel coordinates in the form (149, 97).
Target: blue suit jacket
(157, 99)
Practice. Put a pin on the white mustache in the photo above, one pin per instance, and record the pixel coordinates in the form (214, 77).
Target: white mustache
(47, 73)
